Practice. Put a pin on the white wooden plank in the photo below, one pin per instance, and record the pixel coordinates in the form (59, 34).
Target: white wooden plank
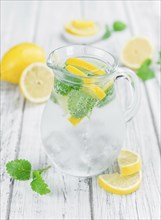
(70, 196)
(141, 137)
(26, 205)
(12, 102)
(138, 15)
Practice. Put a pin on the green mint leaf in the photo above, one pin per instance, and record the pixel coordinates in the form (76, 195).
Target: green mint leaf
(19, 169)
(61, 87)
(145, 72)
(107, 33)
(159, 59)
(80, 103)
(38, 184)
(119, 26)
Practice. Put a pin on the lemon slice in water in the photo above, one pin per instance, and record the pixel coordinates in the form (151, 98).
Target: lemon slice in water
(85, 65)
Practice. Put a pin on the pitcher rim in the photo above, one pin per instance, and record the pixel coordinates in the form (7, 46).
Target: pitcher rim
(108, 73)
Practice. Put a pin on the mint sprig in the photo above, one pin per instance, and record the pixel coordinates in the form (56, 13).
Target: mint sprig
(61, 87)
(107, 33)
(80, 103)
(145, 72)
(116, 26)
(21, 170)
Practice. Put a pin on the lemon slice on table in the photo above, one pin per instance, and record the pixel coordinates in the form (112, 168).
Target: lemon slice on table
(36, 82)
(136, 51)
(129, 162)
(118, 184)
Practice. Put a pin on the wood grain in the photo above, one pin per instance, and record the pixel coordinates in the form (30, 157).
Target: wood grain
(12, 102)
(70, 196)
(74, 198)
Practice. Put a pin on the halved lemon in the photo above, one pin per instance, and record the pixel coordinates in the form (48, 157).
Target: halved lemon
(36, 83)
(118, 184)
(18, 58)
(129, 162)
(136, 51)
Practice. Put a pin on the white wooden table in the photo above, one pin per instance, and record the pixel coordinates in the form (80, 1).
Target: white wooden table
(73, 198)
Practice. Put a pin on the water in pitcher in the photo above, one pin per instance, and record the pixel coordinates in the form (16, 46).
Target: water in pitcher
(92, 145)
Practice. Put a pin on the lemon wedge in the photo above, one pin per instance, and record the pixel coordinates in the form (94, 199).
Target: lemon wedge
(96, 90)
(129, 162)
(136, 51)
(85, 65)
(75, 71)
(78, 72)
(118, 184)
(74, 121)
(36, 83)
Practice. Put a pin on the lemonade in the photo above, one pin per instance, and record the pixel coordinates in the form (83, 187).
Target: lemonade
(88, 148)
(82, 126)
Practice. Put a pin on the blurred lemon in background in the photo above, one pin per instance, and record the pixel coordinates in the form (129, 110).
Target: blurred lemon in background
(18, 58)
(81, 28)
(136, 51)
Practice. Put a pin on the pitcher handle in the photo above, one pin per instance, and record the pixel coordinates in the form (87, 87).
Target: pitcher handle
(134, 82)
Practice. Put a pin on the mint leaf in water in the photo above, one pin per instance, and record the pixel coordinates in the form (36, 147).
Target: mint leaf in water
(61, 87)
(145, 72)
(19, 169)
(119, 26)
(80, 103)
(107, 33)
(110, 93)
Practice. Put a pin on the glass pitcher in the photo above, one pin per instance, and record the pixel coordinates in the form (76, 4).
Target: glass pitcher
(83, 125)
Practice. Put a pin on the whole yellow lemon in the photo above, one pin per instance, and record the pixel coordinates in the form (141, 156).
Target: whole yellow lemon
(18, 58)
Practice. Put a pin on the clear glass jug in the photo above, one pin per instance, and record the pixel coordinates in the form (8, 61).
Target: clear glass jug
(83, 126)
